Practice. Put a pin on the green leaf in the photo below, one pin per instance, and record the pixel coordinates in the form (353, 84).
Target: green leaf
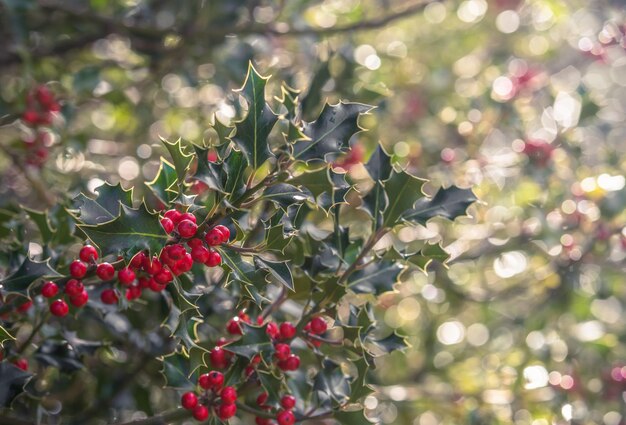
(402, 190)
(331, 381)
(391, 343)
(106, 206)
(177, 372)
(180, 159)
(132, 231)
(449, 203)
(278, 269)
(377, 278)
(253, 130)
(330, 133)
(163, 182)
(289, 99)
(235, 169)
(12, 381)
(355, 417)
(43, 224)
(327, 186)
(285, 195)
(379, 165)
(29, 272)
(5, 336)
(375, 203)
(210, 173)
(276, 238)
(253, 341)
(359, 387)
(243, 271)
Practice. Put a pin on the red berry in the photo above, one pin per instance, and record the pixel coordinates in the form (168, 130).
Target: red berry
(200, 413)
(156, 286)
(59, 308)
(185, 264)
(233, 327)
(133, 292)
(23, 308)
(78, 269)
(272, 330)
(228, 395)
(262, 399)
(226, 411)
(80, 299)
(255, 360)
(108, 296)
(285, 417)
(88, 253)
(214, 237)
(188, 216)
(164, 277)
(144, 282)
(215, 259)
(74, 287)
(152, 266)
(168, 225)
(173, 215)
(189, 400)
(21, 363)
(187, 228)
(126, 276)
(200, 254)
(44, 96)
(218, 358)
(105, 271)
(318, 326)
(262, 421)
(175, 252)
(30, 116)
(292, 363)
(225, 232)
(49, 289)
(195, 242)
(287, 330)
(288, 401)
(282, 351)
(137, 261)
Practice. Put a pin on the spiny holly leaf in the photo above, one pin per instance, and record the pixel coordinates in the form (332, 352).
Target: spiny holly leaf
(354, 417)
(163, 183)
(235, 168)
(359, 387)
(5, 336)
(285, 195)
(294, 134)
(278, 269)
(12, 381)
(106, 206)
(327, 186)
(29, 272)
(132, 231)
(423, 257)
(379, 165)
(180, 159)
(276, 238)
(223, 131)
(253, 341)
(332, 382)
(330, 133)
(402, 190)
(43, 224)
(376, 278)
(375, 203)
(253, 130)
(176, 371)
(289, 99)
(243, 271)
(210, 173)
(58, 354)
(271, 385)
(391, 343)
(449, 203)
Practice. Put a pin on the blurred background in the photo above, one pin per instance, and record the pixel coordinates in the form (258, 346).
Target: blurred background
(524, 101)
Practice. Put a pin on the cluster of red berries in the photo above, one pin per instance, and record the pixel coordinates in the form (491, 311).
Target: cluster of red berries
(214, 395)
(40, 108)
(22, 305)
(284, 416)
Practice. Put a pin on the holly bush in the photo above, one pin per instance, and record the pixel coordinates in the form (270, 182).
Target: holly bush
(239, 282)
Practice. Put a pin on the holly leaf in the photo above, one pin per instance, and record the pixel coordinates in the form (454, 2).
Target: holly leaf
(449, 203)
(235, 167)
(375, 203)
(289, 99)
(276, 238)
(208, 172)
(176, 371)
(402, 190)
(330, 134)
(391, 343)
(180, 159)
(40, 218)
(82, 346)
(327, 186)
(253, 130)
(379, 165)
(253, 341)
(359, 387)
(106, 206)
(12, 381)
(354, 417)
(29, 272)
(285, 195)
(243, 271)
(278, 269)
(376, 278)
(5, 336)
(332, 382)
(132, 231)
(163, 182)
(58, 354)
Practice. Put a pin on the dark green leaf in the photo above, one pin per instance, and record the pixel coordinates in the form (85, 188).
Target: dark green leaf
(449, 203)
(29, 272)
(132, 231)
(163, 183)
(355, 417)
(289, 99)
(243, 271)
(210, 173)
(180, 159)
(330, 134)
(375, 203)
(235, 167)
(391, 343)
(379, 165)
(402, 190)
(376, 278)
(43, 224)
(286, 195)
(278, 269)
(253, 130)
(177, 372)
(12, 381)
(332, 382)
(106, 206)
(5, 336)
(58, 354)
(253, 341)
